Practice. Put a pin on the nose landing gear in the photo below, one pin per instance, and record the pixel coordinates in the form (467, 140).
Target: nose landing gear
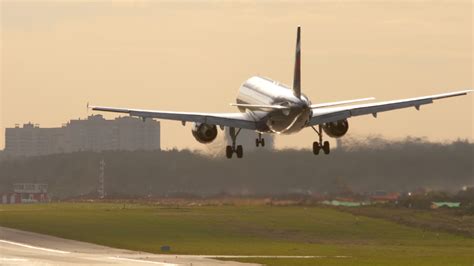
(260, 141)
(238, 149)
(320, 145)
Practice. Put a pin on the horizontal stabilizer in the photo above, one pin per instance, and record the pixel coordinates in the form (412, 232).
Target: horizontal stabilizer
(321, 105)
(260, 106)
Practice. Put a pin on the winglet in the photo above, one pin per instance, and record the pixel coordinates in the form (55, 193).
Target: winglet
(297, 72)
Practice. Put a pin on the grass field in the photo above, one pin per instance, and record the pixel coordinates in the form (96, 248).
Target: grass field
(447, 220)
(246, 230)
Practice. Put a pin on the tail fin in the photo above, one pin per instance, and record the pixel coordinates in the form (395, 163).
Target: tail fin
(297, 73)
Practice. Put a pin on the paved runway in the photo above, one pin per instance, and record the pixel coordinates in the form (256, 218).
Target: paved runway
(26, 248)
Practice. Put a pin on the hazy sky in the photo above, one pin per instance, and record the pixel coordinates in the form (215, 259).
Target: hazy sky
(192, 56)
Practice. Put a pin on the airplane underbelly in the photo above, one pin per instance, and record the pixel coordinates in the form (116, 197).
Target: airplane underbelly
(288, 124)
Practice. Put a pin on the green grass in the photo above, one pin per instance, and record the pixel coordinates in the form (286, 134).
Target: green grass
(245, 230)
(448, 220)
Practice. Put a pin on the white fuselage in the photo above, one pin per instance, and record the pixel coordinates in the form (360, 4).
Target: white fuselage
(263, 91)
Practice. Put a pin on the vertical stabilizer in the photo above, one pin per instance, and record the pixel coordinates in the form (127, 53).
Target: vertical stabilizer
(297, 73)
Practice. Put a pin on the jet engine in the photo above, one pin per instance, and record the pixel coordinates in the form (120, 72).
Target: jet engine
(336, 129)
(204, 133)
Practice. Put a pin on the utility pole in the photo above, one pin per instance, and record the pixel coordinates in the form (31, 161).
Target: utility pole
(101, 186)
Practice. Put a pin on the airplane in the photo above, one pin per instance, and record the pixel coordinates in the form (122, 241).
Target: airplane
(268, 106)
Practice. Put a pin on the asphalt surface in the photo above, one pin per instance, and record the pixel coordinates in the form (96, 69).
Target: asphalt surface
(26, 248)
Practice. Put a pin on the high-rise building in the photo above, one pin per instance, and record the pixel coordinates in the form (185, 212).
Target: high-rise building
(32, 140)
(92, 134)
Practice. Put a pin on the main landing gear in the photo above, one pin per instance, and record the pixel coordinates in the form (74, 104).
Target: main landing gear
(260, 141)
(238, 149)
(320, 145)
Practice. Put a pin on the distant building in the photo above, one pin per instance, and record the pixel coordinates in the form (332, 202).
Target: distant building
(10, 198)
(436, 205)
(247, 139)
(345, 203)
(26, 193)
(93, 134)
(383, 197)
(32, 140)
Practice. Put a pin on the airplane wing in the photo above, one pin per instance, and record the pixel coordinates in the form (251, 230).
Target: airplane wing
(321, 105)
(237, 120)
(332, 114)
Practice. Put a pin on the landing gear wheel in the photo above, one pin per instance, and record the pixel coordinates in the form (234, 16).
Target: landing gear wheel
(229, 151)
(239, 151)
(316, 148)
(260, 141)
(326, 147)
(318, 145)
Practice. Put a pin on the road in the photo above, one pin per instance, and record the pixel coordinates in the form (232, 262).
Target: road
(26, 248)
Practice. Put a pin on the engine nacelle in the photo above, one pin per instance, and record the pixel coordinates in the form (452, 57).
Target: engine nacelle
(204, 133)
(336, 129)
